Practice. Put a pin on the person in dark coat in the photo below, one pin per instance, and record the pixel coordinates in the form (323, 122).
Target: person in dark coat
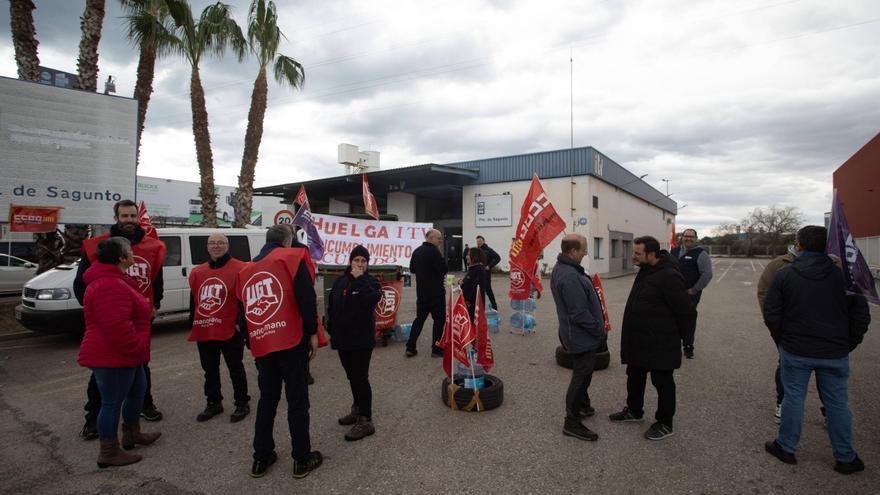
(476, 276)
(430, 269)
(696, 268)
(658, 314)
(351, 323)
(492, 260)
(816, 325)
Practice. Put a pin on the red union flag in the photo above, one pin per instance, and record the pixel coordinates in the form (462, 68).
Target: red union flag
(485, 355)
(301, 197)
(369, 200)
(457, 333)
(33, 218)
(146, 222)
(538, 225)
(386, 309)
(598, 285)
(672, 238)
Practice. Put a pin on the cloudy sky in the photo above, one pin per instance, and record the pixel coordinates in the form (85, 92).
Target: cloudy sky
(738, 104)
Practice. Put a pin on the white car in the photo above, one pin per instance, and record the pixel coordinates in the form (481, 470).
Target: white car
(14, 272)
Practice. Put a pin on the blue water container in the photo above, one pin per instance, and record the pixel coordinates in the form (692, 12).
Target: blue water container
(493, 319)
(467, 379)
(525, 321)
(528, 305)
(401, 332)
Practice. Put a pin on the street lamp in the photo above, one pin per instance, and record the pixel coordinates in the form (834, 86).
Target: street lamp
(667, 185)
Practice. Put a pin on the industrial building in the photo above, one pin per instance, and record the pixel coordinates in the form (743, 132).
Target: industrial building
(857, 182)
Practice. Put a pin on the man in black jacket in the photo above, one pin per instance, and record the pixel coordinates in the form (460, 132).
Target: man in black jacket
(816, 325)
(696, 267)
(429, 268)
(658, 313)
(492, 259)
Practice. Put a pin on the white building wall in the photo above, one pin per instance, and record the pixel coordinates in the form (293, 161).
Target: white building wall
(618, 211)
(403, 205)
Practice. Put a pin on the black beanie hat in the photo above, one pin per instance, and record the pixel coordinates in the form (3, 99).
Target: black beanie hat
(358, 251)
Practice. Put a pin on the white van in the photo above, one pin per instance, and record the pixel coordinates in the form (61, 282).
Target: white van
(48, 303)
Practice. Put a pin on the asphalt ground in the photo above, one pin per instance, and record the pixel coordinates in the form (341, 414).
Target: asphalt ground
(724, 415)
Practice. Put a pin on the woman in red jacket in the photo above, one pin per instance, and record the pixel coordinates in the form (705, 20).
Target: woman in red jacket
(115, 346)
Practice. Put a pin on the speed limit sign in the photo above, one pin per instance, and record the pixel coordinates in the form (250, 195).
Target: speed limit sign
(284, 217)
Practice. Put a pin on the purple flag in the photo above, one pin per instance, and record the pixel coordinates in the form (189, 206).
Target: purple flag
(304, 220)
(859, 280)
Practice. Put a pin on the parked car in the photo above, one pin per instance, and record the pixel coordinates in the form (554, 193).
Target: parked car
(14, 272)
(48, 303)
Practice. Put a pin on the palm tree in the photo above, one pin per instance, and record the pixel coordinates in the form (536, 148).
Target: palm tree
(263, 39)
(91, 23)
(147, 27)
(24, 37)
(212, 34)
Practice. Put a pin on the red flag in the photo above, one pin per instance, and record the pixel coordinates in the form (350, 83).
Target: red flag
(538, 225)
(301, 197)
(598, 285)
(145, 221)
(369, 200)
(672, 239)
(485, 355)
(457, 333)
(33, 218)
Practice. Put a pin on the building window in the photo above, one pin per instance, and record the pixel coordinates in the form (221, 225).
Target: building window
(595, 201)
(597, 248)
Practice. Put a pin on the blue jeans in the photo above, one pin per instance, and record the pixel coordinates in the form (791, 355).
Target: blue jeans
(831, 380)
(122, 389)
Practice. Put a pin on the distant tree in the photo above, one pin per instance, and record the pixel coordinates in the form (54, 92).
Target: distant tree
(264, 37)
(775, 225)
(24, 39)
(91, 23)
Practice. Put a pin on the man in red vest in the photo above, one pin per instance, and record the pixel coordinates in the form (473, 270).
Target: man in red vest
(214, 312)
(280, 310)
(149, 254)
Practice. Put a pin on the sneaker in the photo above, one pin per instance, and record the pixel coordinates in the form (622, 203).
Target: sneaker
(258, 470)
(659, 431)
(689, 352)
(363, 428)
(625, 416)
(241, 410)
(774, 449)
(777, 416)
(302, 469)
(350, 418)
(150, 413)
(89, 430)
(574, 428)
(411, 353)
(853, 466)
(586, 412)
(211, 410)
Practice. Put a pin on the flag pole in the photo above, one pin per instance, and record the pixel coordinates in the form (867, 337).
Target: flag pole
(451, 338)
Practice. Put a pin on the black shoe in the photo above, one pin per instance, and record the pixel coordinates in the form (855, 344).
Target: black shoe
(776, 451)
(853, 466)
(150, 413)
(211, 410)
(310, 379)
(411, 353)
(625, 416)
(659, 431)
(586, 412)
(689, 352)
(260, 467)
(574, 428)
(89, 430)
(241, 410)
(302, 469)
(350, 418)
(437, 353)
(363, 428)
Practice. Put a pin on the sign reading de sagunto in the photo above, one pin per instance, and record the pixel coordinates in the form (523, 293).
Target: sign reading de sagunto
(493, 211)
(66, 148)
(389, 243)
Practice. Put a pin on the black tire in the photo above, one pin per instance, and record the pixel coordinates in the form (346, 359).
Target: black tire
(603, 358)
(491, 396)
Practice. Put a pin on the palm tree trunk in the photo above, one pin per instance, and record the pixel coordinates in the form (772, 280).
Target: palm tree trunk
(91, 23)
(24, 37)
(252, 138)
(143, 89)
(203, 149)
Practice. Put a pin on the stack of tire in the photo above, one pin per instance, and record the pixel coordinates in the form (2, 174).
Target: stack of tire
(603, 358)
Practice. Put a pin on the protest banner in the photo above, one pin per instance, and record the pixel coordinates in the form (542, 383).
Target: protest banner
(389, 243)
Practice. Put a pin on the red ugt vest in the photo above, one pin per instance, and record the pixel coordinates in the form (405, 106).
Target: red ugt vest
(149, 254)
(265, 289)
(216, 306)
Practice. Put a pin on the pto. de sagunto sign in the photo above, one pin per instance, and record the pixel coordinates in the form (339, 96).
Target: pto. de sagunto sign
(66, 148)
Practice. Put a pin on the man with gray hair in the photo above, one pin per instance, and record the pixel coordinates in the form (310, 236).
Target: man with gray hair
(429, 268)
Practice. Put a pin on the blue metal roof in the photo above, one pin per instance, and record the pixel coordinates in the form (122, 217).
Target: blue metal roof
(565, 163)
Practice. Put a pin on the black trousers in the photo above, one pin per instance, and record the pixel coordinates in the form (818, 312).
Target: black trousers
(93, 402)
(290, 369)
(577, 398)
(490, 293)
(663, 381)
(437, 309)
(688, 340)
(233, 353)
(356, 364)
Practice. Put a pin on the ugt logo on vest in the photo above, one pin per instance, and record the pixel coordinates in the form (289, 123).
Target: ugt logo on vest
(263, 296)
(140, 271)
(388, 304)
(212, 296)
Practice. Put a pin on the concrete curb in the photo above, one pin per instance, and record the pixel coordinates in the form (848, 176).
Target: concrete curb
(24, 334)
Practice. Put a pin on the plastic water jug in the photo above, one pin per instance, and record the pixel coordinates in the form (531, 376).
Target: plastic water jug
(401, 332)
(525, 321)
(528, 305)
(467, 378)
(493, 319)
